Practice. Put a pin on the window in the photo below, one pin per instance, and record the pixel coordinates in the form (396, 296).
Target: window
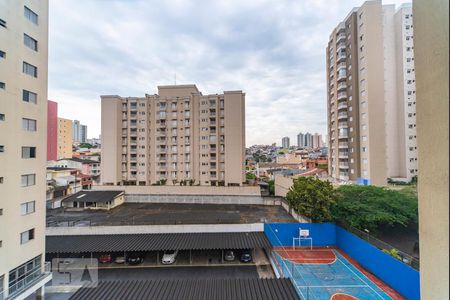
(364, 138)
(2, 54)
(2, 148)
(29, 69)
(28, 96)
(30, 42)
(2, 85)
(28, 180)
(27, 236)
(28, 152)
(29, 124)
(1, 179)
(2, 117)
(27, 208)
(30, 15)
(2, 23)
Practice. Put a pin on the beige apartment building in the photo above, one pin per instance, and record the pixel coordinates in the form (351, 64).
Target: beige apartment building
(432, 64)
(65, 138)
(23, 131)
(371, 96)
(174, 136)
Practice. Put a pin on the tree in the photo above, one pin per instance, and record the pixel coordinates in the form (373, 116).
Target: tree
(271, 187)
(312, 198)
(374, 208)
(250, 176)
(85, 145)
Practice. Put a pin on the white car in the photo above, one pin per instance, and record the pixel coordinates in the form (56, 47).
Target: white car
(169, 257)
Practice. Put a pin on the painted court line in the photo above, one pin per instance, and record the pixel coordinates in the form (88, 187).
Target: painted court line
(381, 297)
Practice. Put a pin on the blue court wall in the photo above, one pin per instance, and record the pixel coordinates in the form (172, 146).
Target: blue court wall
(281, 234)
(393, 272)
(396, 274)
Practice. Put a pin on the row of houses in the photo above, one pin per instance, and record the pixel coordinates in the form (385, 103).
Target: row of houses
(68, 176)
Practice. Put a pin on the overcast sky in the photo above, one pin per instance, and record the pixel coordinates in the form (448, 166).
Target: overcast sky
(272, 50)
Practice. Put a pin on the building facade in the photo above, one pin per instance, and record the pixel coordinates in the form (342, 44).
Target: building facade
(23, 119)
(285, 142)
(174, 136)
(52, 130)
(65, 138)
(432, 65)
(371, 96)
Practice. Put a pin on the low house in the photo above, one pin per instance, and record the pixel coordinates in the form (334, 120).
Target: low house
(94, 200)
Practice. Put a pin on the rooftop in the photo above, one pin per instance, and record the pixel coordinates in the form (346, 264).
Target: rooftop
(170, 213)
(93, 196)
(156, 242)
(198, 289)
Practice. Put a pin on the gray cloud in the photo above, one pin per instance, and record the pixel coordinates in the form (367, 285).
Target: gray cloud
(272, 50)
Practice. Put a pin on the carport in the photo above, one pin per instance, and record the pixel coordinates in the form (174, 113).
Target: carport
(77, 245)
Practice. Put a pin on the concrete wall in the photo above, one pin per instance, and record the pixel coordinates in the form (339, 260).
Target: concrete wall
(197, 199)
(256, 227)
(432, 81)
(282, 185)
(183, 190)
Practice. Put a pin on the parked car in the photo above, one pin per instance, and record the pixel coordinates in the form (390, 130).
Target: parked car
(120, 260)
(135, 259)
(169, 257)
(105, 259)
(246, 256)
(229, 255)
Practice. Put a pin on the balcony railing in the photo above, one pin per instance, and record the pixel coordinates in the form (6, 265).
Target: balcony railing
(342, 116)
(342, 105)
(28, 281)
(342, 95)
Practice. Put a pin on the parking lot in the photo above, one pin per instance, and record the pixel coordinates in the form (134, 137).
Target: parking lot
(184, 258)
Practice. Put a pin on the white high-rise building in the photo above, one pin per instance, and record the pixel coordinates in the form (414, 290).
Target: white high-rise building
(23, 132)
(371, 96)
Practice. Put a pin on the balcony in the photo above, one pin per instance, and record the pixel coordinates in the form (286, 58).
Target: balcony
(343, 155)
(342, 125)
(342, 105)
(342, 86)
(341, 56)
(342, 95)
(342, 116)
(341, 76)
(343, 165)
(29, 284)
(340, 37)
(343, 145)
(343, 135)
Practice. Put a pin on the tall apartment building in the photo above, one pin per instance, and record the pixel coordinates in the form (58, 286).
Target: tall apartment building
(300, 140)
(52, 130)
(285, 142)
(79, 132)
(178, 134)
(371, 95)
(65, 138)
(317, 141)
(23, 119)
(308, 142)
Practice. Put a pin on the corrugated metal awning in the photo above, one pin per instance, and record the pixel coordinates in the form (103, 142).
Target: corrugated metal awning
(154, 242)
(190, 289)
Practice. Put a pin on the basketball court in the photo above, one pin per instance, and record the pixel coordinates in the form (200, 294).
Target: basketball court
(325, 273)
